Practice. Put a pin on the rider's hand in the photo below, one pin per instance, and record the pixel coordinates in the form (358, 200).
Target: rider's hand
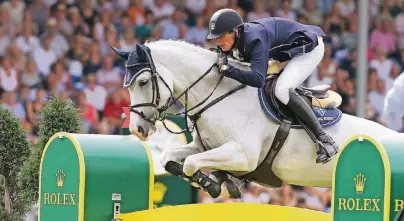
(221, 59)
(222, 63)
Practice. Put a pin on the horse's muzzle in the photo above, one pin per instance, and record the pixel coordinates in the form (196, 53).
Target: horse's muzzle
(143, 132)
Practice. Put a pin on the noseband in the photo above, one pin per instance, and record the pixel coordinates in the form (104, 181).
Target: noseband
(162, 111)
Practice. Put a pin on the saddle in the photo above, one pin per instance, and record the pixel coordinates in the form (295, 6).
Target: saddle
(324, 103)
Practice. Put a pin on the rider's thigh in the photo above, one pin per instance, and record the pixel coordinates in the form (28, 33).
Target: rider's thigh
(297, 71)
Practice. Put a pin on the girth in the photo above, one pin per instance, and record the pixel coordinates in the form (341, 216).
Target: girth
(261, 174)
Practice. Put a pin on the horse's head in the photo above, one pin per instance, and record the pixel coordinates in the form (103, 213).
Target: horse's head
(150, 87)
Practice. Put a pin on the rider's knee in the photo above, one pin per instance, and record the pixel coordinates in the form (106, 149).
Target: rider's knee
(282, 93)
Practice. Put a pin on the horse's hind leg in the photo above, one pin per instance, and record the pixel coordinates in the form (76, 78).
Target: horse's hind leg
(231, 156)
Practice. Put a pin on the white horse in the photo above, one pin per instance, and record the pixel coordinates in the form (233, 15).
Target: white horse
(235, 130)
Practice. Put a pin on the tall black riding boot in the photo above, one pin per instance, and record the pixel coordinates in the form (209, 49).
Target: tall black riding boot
(327, 147)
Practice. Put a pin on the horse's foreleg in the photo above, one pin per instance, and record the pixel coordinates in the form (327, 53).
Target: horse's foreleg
(231, 156)
(178, 154)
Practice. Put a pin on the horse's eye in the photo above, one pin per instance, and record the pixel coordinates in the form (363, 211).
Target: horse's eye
(143, 83)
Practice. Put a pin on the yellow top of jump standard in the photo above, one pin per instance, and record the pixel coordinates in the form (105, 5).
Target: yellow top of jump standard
(226, 211)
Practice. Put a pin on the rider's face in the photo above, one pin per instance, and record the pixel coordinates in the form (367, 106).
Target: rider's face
(226, 41)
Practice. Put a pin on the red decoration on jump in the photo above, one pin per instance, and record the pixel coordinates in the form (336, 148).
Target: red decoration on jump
(125, 124)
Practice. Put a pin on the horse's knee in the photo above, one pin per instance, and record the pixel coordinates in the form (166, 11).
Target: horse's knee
(166, 156)
(282, 93)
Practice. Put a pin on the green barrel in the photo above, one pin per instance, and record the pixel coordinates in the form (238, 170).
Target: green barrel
(368, 180)
(89, 177)
(168, 190)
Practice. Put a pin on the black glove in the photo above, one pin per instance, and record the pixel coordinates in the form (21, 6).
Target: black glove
(222, 63)
(222, 59)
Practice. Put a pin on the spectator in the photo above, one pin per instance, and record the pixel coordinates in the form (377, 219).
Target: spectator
(17, 58)
(113, 109)
(96, 94)
(92, 60)
(30, 76)
(64, 25)
(58, 44)
(145, 30)
(10, 102)
(259, 12)
(4, 40)
(78, 26)
(15, 9)
(171, 29)
(8, 75)
(128, 41)
(286, 11)
(103, 127)
(376, 97)
(334, 26)
(382, 36)
(110, 39)
(399, 26)
(63, 77)
(109, 76)
(39, 14)
(395, 72)
(346, 7)
(27, 42)
(79, 46)
(88, 113)
(349, 38)
(44, 56)
(136, 12)
(197, 35)
(194, 9)
(381, 63)
(311, 13)
(233, 5)
(162, 11)
(34, 107)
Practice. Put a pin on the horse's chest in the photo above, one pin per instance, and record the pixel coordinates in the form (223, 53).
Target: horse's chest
(211, 135)
(209, 140)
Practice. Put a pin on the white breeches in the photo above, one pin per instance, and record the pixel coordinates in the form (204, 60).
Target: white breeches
(298, 70)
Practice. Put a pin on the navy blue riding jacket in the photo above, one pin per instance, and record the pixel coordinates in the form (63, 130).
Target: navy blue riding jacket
(267, 38)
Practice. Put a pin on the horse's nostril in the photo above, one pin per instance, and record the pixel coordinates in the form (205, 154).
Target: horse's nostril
(140, 130)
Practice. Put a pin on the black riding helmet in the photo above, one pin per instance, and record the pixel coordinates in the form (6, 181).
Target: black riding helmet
(222, 22)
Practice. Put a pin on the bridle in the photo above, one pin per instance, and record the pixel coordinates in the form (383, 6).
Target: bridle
(162, 111)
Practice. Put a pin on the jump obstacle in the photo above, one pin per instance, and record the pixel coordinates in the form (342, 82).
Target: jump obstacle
(87, 177)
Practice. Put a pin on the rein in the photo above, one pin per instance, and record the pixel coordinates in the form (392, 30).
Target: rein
(172, 99)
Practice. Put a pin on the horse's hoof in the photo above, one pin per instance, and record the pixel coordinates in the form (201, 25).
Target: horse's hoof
(233, 189)
(174, 168)
(219, 176)
(328, 159)
(212, 187)
(214, 190)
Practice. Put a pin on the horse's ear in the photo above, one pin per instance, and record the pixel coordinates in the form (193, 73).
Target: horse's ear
(140, 51)
(123, 54)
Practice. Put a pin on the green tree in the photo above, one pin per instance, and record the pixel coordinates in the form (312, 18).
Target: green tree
(14, 150)
(56, 116)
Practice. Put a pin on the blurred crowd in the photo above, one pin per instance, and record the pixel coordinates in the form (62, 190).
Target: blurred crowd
(313, 198)
(61, 47)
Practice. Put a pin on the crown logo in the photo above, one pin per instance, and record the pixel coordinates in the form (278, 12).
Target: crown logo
(60, 178)
(159, 191)
(360, 180)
